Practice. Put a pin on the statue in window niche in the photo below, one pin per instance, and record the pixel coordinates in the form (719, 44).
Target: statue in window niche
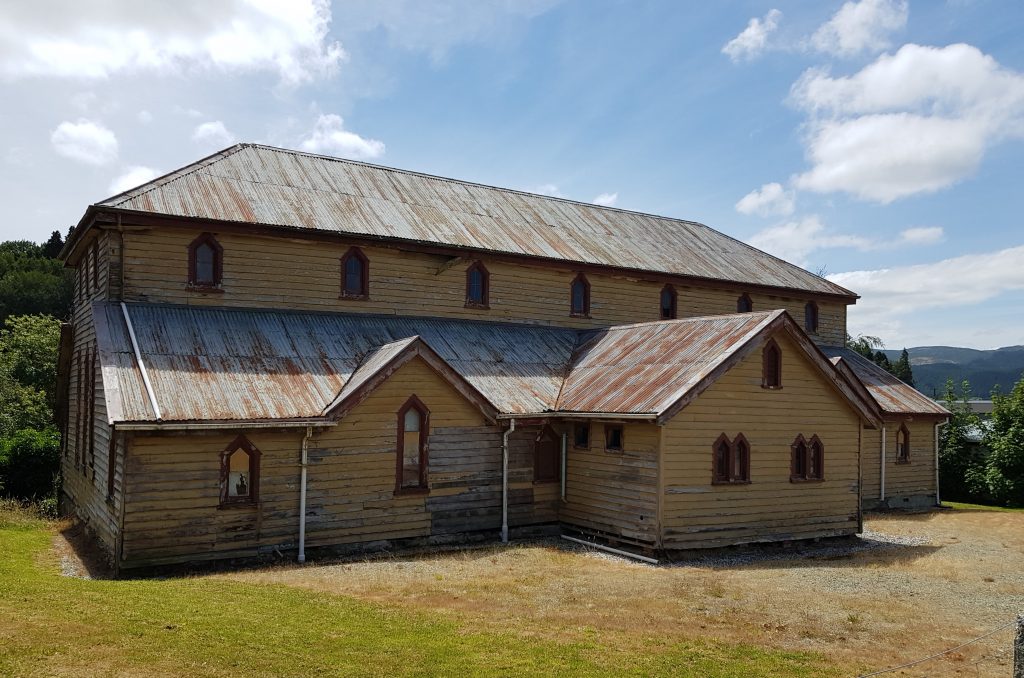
(241, 488)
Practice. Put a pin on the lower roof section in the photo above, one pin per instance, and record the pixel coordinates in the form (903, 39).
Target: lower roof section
(893, 396)
(206, 364)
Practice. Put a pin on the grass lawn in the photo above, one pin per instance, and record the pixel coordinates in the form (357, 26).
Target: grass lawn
(960, 506)
(210, 626)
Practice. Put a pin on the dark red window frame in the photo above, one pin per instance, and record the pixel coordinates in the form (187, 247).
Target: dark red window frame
(485, 286)
(903, 449)
(811, 316)
(734, 471)
(363, 292)
(580, 279)
(218, 260)
(771, 365)
(244, 444)
(673, 306)
(744, 304)
(421, 486)
(547, 456)
(807, 459)
(609, 431)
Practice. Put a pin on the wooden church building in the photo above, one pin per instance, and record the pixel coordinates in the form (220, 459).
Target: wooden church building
(278, 352)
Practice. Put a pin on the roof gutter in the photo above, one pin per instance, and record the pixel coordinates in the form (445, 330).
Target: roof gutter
(219, 425)
(610, 416)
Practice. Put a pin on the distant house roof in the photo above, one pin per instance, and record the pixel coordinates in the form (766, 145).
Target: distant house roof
(891, 395)
(254, 184)
(215, 364)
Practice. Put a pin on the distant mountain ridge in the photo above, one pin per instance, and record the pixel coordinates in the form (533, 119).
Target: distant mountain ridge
(933, 365)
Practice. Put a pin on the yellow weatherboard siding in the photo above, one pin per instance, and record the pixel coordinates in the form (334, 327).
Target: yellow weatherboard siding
(697, 513)
(276, 272)
(913, 479)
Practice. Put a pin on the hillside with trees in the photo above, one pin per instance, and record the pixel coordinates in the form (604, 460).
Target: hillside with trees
(933, 366)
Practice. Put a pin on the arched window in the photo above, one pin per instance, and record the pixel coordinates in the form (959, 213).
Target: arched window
(547, 456)
(744, 304)
(771, 365)
(205, 261)
(355, 274)
(413, 429)
(478, 286)
(669, 301)
(579, 296)
(731, 460)
(239, 472)
(811, 317)
(903, 445)
(808, 459)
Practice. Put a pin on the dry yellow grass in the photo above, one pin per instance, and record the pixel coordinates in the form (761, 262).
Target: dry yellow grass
(870, 609)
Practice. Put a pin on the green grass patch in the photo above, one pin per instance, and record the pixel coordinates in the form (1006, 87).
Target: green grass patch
(960, 506)
(205, 626)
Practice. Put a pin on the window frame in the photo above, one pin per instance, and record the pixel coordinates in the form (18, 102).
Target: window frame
(771, 379)
(577, 427)
(413, 402)
(734, 478)
(547, 431)
(485, 284)
(585, 313)
(94, 257)
(805, 456)
(364, 274)
(674, 307)
(241, 442)
(218, 262)
(903, 454)
(608, 429)
(744, 304)
(812, 317)
(820, 475)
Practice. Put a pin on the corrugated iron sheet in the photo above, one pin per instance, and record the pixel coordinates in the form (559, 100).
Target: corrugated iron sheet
(265, 185)
(648, 367)
(892, 395)
(224, 364)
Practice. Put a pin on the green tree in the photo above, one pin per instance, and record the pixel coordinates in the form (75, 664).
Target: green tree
(31, 282)
(52, 247)
(961, 459)
(1004, 473)
(28, 350)
(902, 369)
(30, 464)
(865, 345)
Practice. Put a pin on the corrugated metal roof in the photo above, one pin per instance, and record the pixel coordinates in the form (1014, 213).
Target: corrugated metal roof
(228, 364)
(258, 184)
(649, 366)
(892, 395)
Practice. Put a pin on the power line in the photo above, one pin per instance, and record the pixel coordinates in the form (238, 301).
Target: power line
(939, 654)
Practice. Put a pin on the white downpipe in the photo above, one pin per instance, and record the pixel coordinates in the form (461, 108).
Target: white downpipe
(302, 494)
(138, 359)
(881, 496)
(609, 549)
(565, 447)
(938, 425)
(504, 480)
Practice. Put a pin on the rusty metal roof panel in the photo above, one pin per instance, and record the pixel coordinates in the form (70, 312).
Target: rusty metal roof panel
(892, 395)
(645, 368)
(265, 185)
(228, 364)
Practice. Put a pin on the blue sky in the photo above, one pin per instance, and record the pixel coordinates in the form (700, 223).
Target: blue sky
(877, 141)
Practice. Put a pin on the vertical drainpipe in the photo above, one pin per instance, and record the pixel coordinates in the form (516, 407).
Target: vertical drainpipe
(881, 496)
(565, 447)
(938, 425)
(504, 480)
(302, 494)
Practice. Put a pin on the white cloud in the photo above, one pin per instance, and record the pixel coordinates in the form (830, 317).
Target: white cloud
(923, 235)
(770, 199)
(547, 189)
(85, 141)
(890, 295)
(145, 117)
(133, 176)
(98, 40)
(213, 134)
(913, 122)
(606, 199)
(753, 40)
(83, 100)
(795, 240)
(861, 26)
(330, 137)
